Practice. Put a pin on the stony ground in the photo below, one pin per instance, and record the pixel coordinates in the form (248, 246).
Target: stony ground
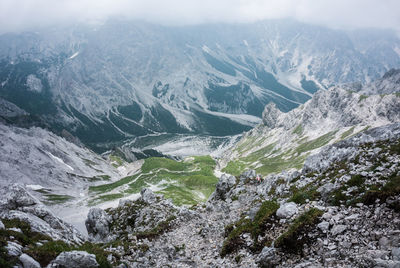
(335, 214)
(341, 210)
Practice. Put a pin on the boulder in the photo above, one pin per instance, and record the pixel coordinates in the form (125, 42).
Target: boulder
(2, 227)
(225, 183)
(147, 195)
(338, 229)
(267, 257)
(28, 262)
(396, 254)
(13, 249)
(249, 174)
(98, 225)
(74, 259)
(323, 226)
(287, 210)
(326, 189)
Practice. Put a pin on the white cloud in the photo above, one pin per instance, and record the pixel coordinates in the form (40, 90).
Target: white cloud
(24, 14)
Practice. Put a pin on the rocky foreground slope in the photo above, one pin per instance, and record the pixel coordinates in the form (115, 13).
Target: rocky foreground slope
(341, 210)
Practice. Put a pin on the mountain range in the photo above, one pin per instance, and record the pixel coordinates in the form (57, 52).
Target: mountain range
(119, 80)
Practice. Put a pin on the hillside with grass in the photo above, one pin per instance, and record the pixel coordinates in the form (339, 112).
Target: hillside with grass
(188, 182)
(284, 140)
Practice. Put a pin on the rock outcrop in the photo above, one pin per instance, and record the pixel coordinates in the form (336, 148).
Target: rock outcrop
(98, 225)
(18, 203)
(74, 259)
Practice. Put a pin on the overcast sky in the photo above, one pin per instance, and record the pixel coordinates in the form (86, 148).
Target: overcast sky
(17, 15)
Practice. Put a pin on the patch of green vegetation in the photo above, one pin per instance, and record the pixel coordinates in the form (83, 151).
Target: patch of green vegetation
(362, 97)
(235, 198)
(155, 163)
(298, 130)
(338, 197)
(57, 198)
(262, 153)
(116, 161)
(161, 227)
(306, 193)
(111, 186)
(254, 227)
(364, 129)
(104, 198)
(347, 133)
(99, 178)
(185, 182)
(180, 195)
(316, 143)
(47, 252)
(25, 238)
(356, 180)
(180, 248)
(272, 191)
(390, 188)
(279, 163)
(43, 191)
(235, 168)
(245, 144)
(295, 237)
(89, 163)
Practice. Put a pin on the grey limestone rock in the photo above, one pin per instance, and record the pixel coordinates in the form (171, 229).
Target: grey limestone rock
(270, 115)
(18, 203)
(147, 195)
(225, 183)
(74, 259)
(28, 262)
(98, 224)
(338, 229)
(287, 210)
(13, 249)
(267, 257)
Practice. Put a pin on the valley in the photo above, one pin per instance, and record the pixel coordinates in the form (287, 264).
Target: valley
(266, 144)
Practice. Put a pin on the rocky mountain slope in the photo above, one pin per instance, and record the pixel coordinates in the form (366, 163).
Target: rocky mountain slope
(126, 79)
(284, 140)
(339, 209)
(341, 213)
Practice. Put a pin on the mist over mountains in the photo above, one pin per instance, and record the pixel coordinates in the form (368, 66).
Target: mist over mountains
(124, 79)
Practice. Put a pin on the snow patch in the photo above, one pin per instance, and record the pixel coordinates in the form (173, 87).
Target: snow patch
(74, 55)
(206, 49)
(60, 160)
(35, 187)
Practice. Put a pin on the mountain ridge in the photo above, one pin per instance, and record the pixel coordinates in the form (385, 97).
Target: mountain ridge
(180, 74)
